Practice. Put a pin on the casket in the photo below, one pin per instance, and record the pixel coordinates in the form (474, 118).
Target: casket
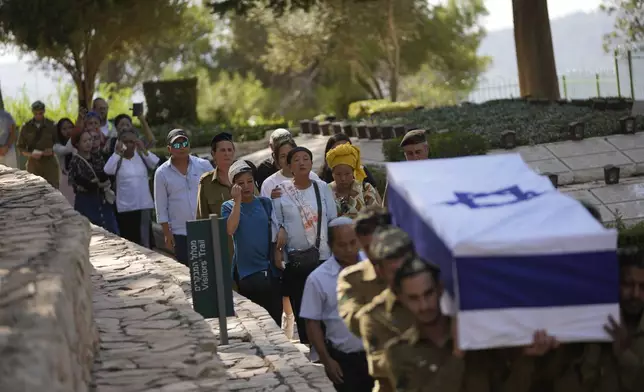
(516, 255)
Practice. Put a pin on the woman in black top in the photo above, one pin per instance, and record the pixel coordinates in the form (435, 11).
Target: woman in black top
(325, 172)
(91, 184)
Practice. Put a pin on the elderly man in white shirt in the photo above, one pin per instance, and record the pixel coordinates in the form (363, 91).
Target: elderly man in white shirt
(175, 192)
(341, 352)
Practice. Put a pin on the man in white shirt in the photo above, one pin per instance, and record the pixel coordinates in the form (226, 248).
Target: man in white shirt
(341, 352)
(175, 192)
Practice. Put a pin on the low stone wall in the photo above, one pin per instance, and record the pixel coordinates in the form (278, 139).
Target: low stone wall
(48, 338)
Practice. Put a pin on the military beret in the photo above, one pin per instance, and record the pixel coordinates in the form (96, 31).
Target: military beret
(415, 136)
(389, 243)
(221, 137)
(38, 105)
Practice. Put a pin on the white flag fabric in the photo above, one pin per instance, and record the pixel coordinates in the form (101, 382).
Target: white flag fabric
(516, 255)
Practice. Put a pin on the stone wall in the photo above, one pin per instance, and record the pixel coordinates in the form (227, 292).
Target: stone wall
(47, 334)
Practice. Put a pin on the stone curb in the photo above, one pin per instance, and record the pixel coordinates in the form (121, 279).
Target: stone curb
(139, 305)
(289, 369)
(48, 337)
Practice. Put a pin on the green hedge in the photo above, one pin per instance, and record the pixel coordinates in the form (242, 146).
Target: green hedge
(533, 122)
(441, 145)
(202, 134)
(379, 174)
(366, 108)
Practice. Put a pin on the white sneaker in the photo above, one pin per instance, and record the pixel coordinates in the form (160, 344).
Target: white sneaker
(288, 320)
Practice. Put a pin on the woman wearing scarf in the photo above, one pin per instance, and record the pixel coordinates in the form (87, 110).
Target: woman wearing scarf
(350, 190)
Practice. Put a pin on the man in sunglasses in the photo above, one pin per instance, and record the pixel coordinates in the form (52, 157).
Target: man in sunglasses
(175, 192)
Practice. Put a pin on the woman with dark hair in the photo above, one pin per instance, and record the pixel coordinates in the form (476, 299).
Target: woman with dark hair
(302, 212)
(130, 165)
(64, 150)
(325, 172)
(124, 121)
(94, 198)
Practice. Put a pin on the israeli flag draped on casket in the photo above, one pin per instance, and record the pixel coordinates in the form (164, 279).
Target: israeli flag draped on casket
(516, 255)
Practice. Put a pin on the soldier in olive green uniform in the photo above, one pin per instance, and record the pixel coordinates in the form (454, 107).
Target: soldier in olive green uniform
(427, 358)
(214, 186)
(36, 142)
(385, 318)
(415, 147)
(360, 284)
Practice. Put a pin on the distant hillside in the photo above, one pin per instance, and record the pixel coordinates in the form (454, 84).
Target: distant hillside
(577, 40)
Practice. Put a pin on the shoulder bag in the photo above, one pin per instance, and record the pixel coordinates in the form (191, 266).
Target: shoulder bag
(108, 194)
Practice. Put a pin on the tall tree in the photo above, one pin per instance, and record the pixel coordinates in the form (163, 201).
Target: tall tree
(376, 41)
(85, 32)
(188, 44)
(629, 23)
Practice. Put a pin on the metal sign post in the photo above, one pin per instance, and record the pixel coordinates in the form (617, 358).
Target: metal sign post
(219, 279)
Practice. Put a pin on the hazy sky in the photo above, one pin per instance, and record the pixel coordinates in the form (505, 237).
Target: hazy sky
(500, 17)
(500, 11)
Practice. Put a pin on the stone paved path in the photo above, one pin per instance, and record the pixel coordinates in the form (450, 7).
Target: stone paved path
(152, 340)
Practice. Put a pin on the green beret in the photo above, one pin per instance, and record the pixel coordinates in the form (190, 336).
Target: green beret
(38, 105)
(416, 136)
(390, 243)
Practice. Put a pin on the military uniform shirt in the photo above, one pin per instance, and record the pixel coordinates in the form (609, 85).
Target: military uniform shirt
(380, 321)
(417, 364)
(358, 285)
(33, 137)
(212, 194)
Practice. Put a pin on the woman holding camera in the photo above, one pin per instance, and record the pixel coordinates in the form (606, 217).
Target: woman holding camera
(130, 165)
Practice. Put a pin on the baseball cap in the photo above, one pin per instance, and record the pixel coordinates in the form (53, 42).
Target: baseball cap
(280, 133)
(238, 167)
(176, 134)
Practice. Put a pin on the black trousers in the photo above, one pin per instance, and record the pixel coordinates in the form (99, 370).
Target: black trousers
(130, 225)
(261, 289)
(294, 279)
(355, 370)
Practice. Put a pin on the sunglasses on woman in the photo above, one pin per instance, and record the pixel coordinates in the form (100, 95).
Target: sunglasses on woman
(181, 144)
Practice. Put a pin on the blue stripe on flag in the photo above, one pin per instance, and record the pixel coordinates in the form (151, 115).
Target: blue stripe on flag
(428, 245)
(590, 278)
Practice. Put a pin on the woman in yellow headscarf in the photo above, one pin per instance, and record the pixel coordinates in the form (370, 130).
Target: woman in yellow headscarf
(351, 192)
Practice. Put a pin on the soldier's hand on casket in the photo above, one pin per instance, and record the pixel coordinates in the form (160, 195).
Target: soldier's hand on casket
(542, 343)
(622, 339)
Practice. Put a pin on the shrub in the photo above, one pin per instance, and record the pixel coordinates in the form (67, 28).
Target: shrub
(201, 134)
(533, 123)
(171, 100)
(441, 145)
(360, 109)
(379, 173)
(64, 103)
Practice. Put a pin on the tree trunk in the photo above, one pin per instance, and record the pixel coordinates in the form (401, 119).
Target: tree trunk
(85, 91)
(535, 54)
(115, 68)
(394, 56)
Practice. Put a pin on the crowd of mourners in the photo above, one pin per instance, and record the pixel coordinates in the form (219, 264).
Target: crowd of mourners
(319, 252)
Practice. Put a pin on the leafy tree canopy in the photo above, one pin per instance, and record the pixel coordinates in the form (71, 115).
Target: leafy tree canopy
(629, 24)
(79, 35)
